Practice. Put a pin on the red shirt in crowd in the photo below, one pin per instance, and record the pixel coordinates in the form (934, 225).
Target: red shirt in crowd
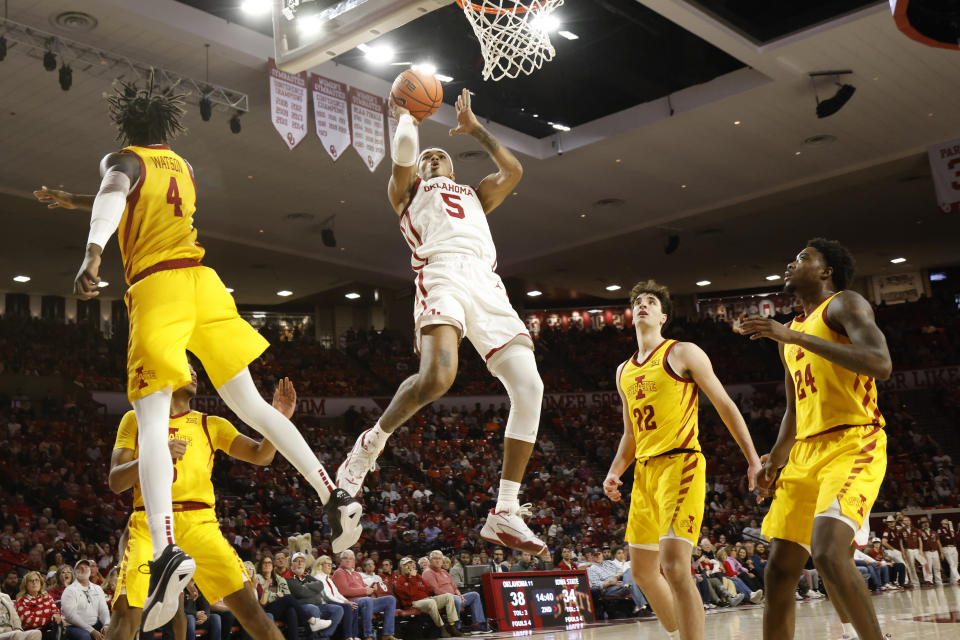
(440, 582)
(949, 535)
(410, 589)
(910, 537)
(930, 540)
(563, 565)
(350, 583)
(876, 554)
(36, 611)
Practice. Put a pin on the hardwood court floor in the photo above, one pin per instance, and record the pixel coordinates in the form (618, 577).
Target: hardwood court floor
(927, 614)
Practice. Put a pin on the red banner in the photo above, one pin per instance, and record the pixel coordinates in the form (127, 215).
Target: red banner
(331, 114)
(288, 104)
(945, 167)
(366, 115)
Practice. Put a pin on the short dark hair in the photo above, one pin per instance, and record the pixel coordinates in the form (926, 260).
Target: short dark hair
(146, 116)
(837, 257)
(661, 292)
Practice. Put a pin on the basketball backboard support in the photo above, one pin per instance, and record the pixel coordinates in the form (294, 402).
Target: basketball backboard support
(309, 32)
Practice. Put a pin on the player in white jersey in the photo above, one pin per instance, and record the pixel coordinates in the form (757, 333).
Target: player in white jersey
(459, 295)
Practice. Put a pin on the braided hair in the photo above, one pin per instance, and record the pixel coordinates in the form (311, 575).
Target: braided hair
(146, 116)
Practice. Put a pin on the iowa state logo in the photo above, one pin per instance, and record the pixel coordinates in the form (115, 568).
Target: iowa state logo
(858, 502)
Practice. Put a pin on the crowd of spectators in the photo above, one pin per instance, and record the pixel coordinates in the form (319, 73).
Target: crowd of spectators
(438, 476)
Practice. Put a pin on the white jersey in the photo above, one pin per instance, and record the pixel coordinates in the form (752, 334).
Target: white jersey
(446, 217)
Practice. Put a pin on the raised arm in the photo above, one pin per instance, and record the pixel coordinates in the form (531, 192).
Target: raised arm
(120, 171)
(626, 451)
(497, 186)
(693, 363)
(125, 468)
(786, 438)
(58, 199)
(867, 353)
(404, 152)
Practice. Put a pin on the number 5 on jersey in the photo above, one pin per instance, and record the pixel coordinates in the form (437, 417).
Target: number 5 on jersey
(452, 201)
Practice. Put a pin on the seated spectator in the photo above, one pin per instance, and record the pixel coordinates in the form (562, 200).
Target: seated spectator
(34, 605)
(387, 574)
(711, 587)
(10, 625)
(439, 581)
(11, 584)
(497, 565)
(350, 583)
(748, 572)
(413, 592)
(897, 570)
(372, 579)
(64, 578)
(567, 562)
(84, 606)
(197, 611)
(458, 570)
(721, 569)
(878, 573)
(274, 595)
(281, 563)
(525, 563)
(333, 596)
(603, 575)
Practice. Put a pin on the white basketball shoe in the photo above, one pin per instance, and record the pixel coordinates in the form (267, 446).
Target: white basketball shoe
(360, 461)
(508, 529)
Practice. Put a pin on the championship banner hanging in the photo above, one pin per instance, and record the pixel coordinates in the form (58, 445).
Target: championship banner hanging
(945, 167)
(288, 104)
(366, 115)
(331, 114)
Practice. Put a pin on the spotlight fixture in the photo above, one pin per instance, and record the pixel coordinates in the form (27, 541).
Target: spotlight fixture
(830, 106)
(284, 293)
(773, 277)
(229, 289)
(534, 293)
(672, 244)
(353, 295)
(49, 61)
(328, 239)
(898, 260)
(206, 110)
(3, 47)
(234, 123)
(612, 287)
(66, 77)
(21, 278)
(703, 283)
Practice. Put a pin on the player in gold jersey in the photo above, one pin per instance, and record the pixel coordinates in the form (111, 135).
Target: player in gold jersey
(176, 304)
(659, 389)
(831, 444)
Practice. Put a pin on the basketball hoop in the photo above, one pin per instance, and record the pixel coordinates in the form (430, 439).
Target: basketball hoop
(513, 36)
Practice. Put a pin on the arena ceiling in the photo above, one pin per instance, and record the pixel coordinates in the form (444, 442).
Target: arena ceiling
(596, 204)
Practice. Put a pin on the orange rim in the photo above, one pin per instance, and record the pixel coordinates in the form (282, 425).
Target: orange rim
(482, 9)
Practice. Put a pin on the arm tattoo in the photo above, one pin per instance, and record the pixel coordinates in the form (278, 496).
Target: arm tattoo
(486, 140)
(443, 357)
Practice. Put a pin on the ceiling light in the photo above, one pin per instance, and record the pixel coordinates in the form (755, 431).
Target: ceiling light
(773, 277)
(561, 127)
(683, 186)
(736, 123)
(49, 61)
(256, 7)
(612, 287)
(536, 115)
(569, 35)
(583, 215)
(21, 278)
(377, 54)
(353, 295)
(443, 78)
(672, 243)
(103, 283)
(595, 311)
(796, 153)
(229, 289)
(703, 283)
(546, 23)
(206, 109)
(259, 315)
(309, 25)
(894, 261)
(425, 67)
(283, 293)
(66, 77)
(534, 293)
(235, 123)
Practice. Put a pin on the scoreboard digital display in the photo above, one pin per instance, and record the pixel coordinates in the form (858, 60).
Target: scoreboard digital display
(538, 599)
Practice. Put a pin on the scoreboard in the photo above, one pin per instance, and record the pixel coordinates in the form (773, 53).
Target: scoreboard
(530, 600)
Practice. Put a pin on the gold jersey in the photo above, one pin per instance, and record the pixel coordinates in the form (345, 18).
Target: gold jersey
(827, 395)
(203, 434)
(662, 405)
(157, 223)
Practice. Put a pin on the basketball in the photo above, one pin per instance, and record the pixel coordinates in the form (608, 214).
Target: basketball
(419, 93)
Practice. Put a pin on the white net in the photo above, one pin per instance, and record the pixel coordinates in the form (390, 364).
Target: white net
(514, 36)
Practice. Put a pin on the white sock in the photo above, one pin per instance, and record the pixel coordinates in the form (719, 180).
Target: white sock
(376, 439)
(156, 471)
(674, 635)
(508, 498)
(848, 629)
(241, 395)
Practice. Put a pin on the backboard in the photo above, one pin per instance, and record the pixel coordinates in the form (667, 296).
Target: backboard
(309, 32)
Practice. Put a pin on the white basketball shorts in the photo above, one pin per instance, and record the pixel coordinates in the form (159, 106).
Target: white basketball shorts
(464, 292)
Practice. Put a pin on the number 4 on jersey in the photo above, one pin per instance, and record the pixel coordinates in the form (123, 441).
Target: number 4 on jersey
(173, 197)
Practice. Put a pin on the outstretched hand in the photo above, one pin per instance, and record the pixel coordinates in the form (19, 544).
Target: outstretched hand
(397, 110)
(758, 328)
(285, 398)
(55, 198)
(466, 121)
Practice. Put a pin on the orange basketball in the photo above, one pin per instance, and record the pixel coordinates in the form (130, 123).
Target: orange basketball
(419, 93)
